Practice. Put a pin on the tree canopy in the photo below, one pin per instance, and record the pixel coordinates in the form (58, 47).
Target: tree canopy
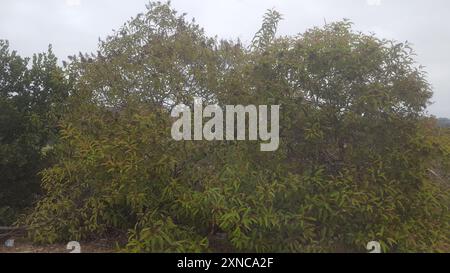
(32, 93)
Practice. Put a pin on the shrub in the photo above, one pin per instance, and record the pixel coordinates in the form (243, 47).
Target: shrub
(353, 165)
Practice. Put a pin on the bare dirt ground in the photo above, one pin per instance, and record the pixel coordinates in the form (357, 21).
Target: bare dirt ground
(22, 246)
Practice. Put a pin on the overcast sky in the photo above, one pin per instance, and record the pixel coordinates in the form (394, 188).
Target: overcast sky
(75, 25)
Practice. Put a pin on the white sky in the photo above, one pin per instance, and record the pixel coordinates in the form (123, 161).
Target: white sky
(75, 25)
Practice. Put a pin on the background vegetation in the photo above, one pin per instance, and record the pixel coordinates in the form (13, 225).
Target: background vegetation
(32, 93)
(358, 159)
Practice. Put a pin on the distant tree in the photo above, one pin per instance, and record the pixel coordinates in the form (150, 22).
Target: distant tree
(444, 122)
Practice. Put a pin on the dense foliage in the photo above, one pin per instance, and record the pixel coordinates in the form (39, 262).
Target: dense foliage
(358, 161)
(31, 94)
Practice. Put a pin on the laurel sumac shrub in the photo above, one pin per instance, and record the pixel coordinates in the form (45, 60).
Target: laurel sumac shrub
(355, 163)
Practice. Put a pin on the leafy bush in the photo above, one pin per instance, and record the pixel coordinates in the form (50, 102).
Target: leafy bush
(353, 165)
